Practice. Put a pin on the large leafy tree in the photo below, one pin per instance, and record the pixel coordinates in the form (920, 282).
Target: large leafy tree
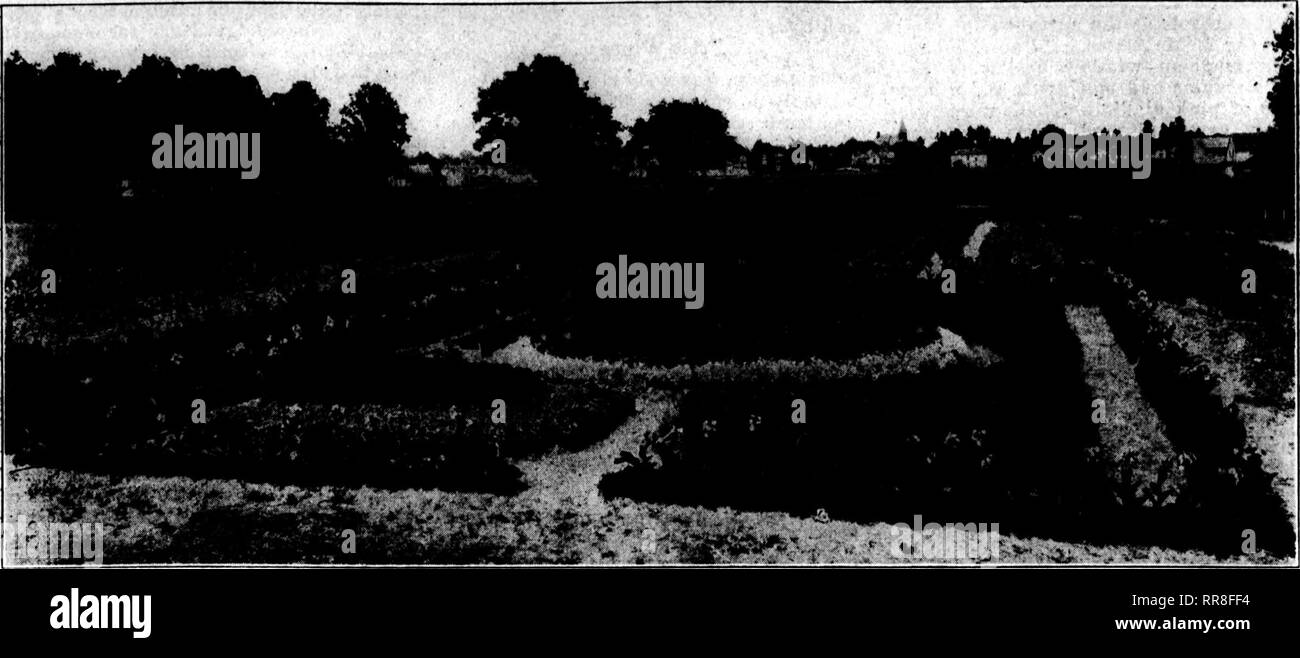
(157, 95)
(1281, 98)
(63, 124)
(1280, 152)
(298, 138)
(373, 129)
(549, 120)
(152, 93)
(683, 137)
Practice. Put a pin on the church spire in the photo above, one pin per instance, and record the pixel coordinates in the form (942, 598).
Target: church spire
(902, 131)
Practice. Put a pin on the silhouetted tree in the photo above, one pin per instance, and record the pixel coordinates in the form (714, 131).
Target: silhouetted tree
(156, 96)
(151, 91)
(684, 137)
(1174, 132)
(1281, 97)
(298, 147)
(63, 129)
(23, 107)
(979, 136)
(550, 122)
(373, 130)
(1279, 153)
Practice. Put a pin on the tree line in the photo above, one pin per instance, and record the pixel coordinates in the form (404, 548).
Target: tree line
(73, 124)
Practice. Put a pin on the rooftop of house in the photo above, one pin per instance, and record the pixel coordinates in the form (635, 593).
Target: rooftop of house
(1213, 141)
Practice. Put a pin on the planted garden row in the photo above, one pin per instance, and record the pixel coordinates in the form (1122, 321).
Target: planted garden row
(1228, 485)
(383, 421)
(961, 442)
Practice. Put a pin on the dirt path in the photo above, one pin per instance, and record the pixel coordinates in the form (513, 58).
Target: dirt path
(567, 484)
(1288, 247)
(1144, 466)
(572, 478)
(946, 350)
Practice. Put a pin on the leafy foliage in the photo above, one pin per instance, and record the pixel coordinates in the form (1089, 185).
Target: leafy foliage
(1227, 480)
(373, 130)
(683, 137)
(549, 120)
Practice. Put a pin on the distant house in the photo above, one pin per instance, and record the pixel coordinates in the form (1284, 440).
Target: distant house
(465, 173)
(969, 159)
(1245, 145)
(1213, 150)
(736, 166)
(415, 174)
(1232, 152)
(767, 158)
(871, 156)
(899, 138)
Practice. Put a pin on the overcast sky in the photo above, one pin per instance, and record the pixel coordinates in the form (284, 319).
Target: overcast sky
(815, 73)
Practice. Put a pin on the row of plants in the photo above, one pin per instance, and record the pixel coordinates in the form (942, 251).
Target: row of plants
(862, 447)
(1031, 267)
(1175, 262)
(1000, 443)
(311, 418)
(1227, 485)
(757, 305)
(402, 304)
(1014, 302)
(932, 444)
(236, 356)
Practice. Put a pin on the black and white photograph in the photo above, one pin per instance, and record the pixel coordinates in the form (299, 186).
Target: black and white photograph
(649, 285)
